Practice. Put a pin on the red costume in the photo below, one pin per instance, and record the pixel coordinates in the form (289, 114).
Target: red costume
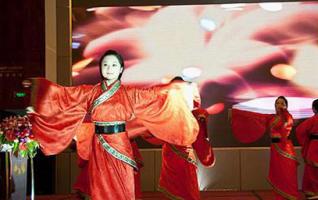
(249, 126)
(82, 182)
(137, 173)
(178, 177)
(202, 146)
(59, 112)
(307, 135)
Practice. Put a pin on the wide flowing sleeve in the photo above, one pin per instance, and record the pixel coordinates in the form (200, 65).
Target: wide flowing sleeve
(164, 112)
(202, 146)
(248, 126)
(58, 112)
(135, 129)
(84, 135)
(303, 131)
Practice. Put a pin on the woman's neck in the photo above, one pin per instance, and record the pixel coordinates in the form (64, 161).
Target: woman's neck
(109, 82)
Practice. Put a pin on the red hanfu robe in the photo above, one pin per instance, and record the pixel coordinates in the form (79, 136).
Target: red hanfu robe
(178, 177)
(202, 146)
(137, 173)
(304, 132)
(59, 112)
(249, 126)
(82, 180)
(85, 131)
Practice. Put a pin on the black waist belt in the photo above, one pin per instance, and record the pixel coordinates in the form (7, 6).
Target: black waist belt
(275, 140)
(110, 129)
(313, 137)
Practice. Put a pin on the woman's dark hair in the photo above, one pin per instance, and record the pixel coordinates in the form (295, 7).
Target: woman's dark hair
(315, 104)
(177, 78)
(117, 55)
(284, 98)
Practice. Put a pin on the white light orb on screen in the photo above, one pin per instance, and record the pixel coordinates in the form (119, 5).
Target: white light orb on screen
(232, 5)
(75, 74)
(283, 71)
(207, 24)
(78, 35)
(91, 9)
(272, 7)
(191, 73)
(76, 45)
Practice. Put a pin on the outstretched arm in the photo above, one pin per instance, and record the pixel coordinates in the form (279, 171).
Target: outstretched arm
(164, 112)
(57, 113)
(248, 126)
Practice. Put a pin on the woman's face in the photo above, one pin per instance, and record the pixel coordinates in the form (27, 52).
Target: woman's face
(280, 104)
(111, 68)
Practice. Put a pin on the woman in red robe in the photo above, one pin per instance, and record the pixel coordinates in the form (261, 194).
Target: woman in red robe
(249, 126)
(81, 184)
(307, 135)
(178, 176)
(60, 111)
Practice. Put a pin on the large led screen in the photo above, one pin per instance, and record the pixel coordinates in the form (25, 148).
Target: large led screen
(241, 55)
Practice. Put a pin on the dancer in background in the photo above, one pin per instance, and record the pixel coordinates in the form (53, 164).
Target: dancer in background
(307, 135)
(178, 176)
(59, 112)
(250, 126)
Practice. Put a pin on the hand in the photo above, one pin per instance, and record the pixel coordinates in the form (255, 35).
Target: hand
(30, 110)
(283, 108)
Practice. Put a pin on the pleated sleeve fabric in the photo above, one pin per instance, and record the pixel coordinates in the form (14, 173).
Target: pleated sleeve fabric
(309, 146)
(59, 111)
(202, 146)
(248, 126)
(304, 130)
(164, 112)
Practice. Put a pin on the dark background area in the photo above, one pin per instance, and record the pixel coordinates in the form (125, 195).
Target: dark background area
(22, 55)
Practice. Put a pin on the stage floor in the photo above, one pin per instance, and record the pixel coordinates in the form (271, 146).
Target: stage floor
(213, 195)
